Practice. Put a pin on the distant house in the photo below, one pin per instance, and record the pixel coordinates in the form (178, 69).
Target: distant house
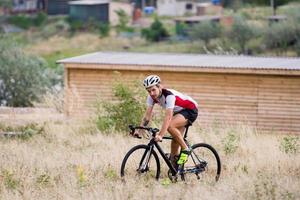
(103, 11)
(168, 7)
(260, 91)
(27, 6)
(176, 7)
(57, 7)
(198, 19)
(145, 3)
(89, 9)
(51, 7)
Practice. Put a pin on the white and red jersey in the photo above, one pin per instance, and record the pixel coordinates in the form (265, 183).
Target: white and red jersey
(173, 99)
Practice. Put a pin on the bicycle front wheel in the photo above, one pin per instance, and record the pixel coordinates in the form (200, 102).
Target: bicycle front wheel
(141, 162)
(204, 162)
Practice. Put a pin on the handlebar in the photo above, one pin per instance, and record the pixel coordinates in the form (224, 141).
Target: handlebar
(149, 129)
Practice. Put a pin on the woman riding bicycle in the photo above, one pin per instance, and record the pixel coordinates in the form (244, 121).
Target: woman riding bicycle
(180, 110)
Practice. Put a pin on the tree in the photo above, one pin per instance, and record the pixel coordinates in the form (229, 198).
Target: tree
(6, 3)
(205, 31)
(156, 32)
(284, 35)
(241, 32)
(23, 78)
(123, 20)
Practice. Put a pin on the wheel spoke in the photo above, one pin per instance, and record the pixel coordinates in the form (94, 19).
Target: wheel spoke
(204, 162)
(138, 162)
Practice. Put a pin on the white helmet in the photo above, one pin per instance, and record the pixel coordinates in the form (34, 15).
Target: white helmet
(151, 81)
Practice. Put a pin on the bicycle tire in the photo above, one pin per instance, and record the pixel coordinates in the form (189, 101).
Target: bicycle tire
(210, 171)
(140, 152)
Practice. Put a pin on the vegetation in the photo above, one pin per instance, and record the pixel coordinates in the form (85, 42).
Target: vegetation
(23, 78)
(25, 21)
(67, 161)
(62, 160)
(205, 31)
(290, 144)
(283, 36)
(123, 21)
(241, 32)
(156, 32)
(128, 110)
(6, 3)
(230, 143)
(104, 29)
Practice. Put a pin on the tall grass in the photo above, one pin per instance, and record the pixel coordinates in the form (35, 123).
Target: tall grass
(72, 160)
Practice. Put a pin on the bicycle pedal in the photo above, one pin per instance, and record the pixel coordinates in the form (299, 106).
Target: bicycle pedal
(180, 170)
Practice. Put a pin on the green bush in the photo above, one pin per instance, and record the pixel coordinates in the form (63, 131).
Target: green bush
(128, 109)
(182, 29)
(104, 29)
(9, 180)
(75, 25)
(21, 21)
(6, 3)
(282, 36)
(123, 20)
(231, 143)
(25, 21)
(40, 19)
(157, 32)
(43, 180)
(78, 25)
(205, 31)
(290, 144)
(23, 78)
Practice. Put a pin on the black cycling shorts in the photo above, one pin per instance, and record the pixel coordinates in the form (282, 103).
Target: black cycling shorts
(190, 115)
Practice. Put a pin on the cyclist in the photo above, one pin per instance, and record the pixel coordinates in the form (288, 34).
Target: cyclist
(180, 110)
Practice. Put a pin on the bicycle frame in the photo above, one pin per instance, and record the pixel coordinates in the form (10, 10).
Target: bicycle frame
(153, 144)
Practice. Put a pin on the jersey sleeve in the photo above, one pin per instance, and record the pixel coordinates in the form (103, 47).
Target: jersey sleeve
(150, 101)
(170, 101)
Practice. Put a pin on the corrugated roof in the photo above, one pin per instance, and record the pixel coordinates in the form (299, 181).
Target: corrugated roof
(89, 2)
(187, 60)
(198, 18)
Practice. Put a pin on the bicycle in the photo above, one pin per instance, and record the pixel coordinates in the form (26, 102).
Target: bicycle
(204, 159)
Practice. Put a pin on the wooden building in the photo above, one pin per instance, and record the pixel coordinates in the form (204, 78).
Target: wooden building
(261, 91)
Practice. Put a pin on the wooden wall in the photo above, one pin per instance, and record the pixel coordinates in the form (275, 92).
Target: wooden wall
(268, 102)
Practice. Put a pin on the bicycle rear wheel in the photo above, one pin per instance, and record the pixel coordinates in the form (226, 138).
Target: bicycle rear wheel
(140, 162)
(204, 162)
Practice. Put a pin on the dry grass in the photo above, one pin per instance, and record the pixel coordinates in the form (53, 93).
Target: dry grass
(82, 43)
(70, 160)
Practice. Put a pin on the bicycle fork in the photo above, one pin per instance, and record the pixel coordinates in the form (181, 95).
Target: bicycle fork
(144, 164)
